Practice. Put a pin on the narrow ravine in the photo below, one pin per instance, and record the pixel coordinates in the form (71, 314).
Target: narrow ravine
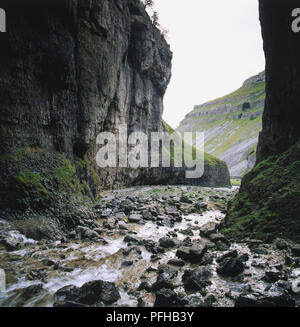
(155, 246)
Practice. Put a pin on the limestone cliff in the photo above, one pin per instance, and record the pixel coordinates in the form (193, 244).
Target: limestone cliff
(281, 118)
(70, 69)
(267, 205)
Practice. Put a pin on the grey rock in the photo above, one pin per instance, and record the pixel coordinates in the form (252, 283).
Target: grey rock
(230, 267)
(208, 229)
(134, 218)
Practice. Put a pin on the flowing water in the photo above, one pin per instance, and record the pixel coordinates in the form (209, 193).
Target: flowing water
(84, 261)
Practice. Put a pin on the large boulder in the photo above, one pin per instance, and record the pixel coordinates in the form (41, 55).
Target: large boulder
(90, 293)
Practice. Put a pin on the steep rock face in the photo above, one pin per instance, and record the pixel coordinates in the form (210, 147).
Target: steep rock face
(71, 69)
(231, 124)
(267, 205)
(281, 118)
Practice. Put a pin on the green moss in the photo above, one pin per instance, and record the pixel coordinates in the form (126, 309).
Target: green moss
(37, 178)
(236, 182)
(267, 205)
(168, 128)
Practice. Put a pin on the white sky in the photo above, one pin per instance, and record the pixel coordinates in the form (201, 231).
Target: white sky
(216, 44)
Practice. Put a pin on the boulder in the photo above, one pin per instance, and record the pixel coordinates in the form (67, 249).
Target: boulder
(196, 280)
(264, 301)
(230, 267)
(168, 298)
(90, 293)
(135, 218)
(166, 242)
(208, 229)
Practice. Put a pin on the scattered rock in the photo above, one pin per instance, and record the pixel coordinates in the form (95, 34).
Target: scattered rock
(208, 229)
(168, 298)
(264, 301)
(87, 233)
(176, 262)
(167, 242)
(219, 238)
(260, 251)
(90, 293)
(230, 267)
(196, 280)
(48, 262)
(281, 244)
(201, 206)
(135, 218)
(296, 250)
(122, 225)
(130, 239)
(231, 254)
(10, 244)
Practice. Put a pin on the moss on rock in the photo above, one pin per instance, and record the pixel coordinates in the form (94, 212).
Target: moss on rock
(36, 178)
(267, 205)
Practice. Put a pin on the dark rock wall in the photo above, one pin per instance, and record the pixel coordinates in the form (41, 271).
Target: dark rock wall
(281, 118)
(267, 205)
(71, 69)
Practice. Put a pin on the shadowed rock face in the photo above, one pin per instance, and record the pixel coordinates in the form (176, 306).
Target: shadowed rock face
(282, 49)
(71, 69)
(267, 205)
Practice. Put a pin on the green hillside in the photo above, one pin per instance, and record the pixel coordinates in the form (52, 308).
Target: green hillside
(231, 124)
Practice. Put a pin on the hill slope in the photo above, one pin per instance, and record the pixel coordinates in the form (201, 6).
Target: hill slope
(231, 124)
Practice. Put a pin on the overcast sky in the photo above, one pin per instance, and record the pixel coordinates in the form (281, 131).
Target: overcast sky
(216, 44)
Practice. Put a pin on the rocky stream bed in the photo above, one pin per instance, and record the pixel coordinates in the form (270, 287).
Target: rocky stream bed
(150, 246)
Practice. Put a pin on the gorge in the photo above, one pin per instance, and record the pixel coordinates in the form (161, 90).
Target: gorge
(75, 235)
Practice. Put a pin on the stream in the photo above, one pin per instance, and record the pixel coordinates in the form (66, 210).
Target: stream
(157, 246)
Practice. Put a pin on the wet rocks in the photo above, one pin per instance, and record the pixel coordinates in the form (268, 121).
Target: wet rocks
(273, 276)
(296, 250)
(122, 225)
(87, 233)
(208, 229)
(10, 244)
(196, 280)
(91, 293)
(168, 298)
(165, 277)
(219, 238)
(176, 262)
(260, 250)
(193, 254)
(296, 286)
(257, 300)
(135, 218)
(186, 199)
(130, 239)
(200, 206)
(166, 242)
(32, 291)
(229, 266)
(281, 244)
(48, 262)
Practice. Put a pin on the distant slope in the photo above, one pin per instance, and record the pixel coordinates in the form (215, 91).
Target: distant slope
(231, 124)
(216, 173)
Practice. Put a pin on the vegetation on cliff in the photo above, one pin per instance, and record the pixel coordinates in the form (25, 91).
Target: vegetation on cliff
(231, 124)
(267, 205)
(215, 170)
(38, 179)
